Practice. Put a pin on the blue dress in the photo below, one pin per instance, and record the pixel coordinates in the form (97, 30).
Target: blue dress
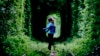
(50, 28)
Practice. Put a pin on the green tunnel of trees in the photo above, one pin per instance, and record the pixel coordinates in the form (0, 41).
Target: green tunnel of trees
(23, 20)
(40, 15)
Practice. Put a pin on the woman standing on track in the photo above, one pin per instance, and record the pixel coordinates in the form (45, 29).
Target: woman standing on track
(51, 30)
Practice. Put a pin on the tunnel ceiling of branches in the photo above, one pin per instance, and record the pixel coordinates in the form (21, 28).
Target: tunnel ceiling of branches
(42, 8)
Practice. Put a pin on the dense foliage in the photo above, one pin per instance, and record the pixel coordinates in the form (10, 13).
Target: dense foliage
(80, 27)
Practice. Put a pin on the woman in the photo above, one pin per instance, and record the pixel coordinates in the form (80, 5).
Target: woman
(51, 30)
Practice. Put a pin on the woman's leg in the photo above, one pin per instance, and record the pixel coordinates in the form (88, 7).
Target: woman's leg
(50, 40)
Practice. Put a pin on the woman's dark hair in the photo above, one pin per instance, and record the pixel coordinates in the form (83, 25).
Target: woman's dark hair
(51, 20)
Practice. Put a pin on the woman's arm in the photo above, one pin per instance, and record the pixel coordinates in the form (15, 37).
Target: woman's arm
(47, 28)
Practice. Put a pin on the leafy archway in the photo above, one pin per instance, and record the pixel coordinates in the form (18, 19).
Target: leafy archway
(40, 11)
